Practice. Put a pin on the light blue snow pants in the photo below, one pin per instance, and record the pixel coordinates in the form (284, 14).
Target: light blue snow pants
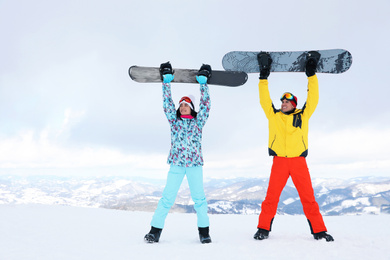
(195, 182)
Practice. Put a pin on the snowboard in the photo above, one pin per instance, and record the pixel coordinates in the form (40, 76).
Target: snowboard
(331, 61)
(218, 77)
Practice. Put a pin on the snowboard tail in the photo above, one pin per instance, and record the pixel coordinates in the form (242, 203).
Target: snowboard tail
(221, 78)
(332, 61)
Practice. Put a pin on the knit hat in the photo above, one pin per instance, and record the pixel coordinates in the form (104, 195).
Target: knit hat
(290, 97)
(188, 100)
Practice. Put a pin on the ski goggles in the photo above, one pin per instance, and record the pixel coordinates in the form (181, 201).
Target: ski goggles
(287, 96)
(186, 99)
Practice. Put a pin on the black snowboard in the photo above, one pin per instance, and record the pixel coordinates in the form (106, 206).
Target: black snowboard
(222, 78)
(331, 61)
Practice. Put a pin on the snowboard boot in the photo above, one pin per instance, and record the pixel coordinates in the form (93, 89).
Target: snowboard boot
(261, 234)
(204, 235)
(153, 236)
(323, 234)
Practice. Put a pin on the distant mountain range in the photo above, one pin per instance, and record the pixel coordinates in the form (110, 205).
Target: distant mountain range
(368, 195)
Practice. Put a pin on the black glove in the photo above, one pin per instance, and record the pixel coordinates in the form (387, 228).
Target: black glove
(311, 64)
(205, 70)
(265, 61)
(165, 68)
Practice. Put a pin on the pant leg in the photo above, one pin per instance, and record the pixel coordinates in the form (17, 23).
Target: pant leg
(174, 180)
(277, 181)
(195, 182)
(302, 181)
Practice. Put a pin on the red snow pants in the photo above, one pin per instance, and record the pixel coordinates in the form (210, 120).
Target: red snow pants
(282, 169)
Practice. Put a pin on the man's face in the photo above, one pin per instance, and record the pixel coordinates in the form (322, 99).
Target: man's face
(286, 106)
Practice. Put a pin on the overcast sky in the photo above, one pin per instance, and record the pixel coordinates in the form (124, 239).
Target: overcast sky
(68, 106)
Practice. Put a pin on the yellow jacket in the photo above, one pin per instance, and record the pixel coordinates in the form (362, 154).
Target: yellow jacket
(288, 133)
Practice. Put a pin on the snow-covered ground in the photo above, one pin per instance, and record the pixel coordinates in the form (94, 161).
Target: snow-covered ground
(61, 232)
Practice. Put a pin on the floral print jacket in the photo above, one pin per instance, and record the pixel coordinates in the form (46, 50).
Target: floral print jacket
(186, 134)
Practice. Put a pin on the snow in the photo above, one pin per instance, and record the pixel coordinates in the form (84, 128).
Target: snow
(253, 189)
(373, 188)
(356, 202)
(62, 232)
(288, 201)
(371, 210)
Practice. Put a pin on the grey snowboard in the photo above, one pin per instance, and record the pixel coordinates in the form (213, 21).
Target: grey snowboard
(223, 78)
(331, 61)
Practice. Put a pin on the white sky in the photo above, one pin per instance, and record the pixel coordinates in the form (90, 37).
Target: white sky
(68, 106)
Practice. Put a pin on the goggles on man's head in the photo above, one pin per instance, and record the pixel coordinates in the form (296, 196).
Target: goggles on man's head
(287, 96)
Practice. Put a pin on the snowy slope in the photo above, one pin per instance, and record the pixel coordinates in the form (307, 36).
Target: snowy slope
(61, 232)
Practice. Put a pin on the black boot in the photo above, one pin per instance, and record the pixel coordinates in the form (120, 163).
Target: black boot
(153, 236)
(323, 234)
(204, 235)
(261, 234)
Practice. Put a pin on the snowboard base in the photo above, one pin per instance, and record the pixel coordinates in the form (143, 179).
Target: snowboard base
(331, 61)
(222, 78)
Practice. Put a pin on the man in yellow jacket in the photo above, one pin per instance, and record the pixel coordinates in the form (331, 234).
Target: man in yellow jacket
(288, 144)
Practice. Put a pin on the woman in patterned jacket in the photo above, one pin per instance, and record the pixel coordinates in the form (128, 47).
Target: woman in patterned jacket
(185, 157)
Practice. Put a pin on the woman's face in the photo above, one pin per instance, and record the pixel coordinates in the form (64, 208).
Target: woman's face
(185, 109)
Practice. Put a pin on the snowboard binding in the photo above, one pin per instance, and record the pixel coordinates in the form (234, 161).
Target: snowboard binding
(165, 68)
(205, 70)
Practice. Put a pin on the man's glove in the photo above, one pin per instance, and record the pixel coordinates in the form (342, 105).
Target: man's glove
(311, 64)
(265, 61)
(165, 68)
